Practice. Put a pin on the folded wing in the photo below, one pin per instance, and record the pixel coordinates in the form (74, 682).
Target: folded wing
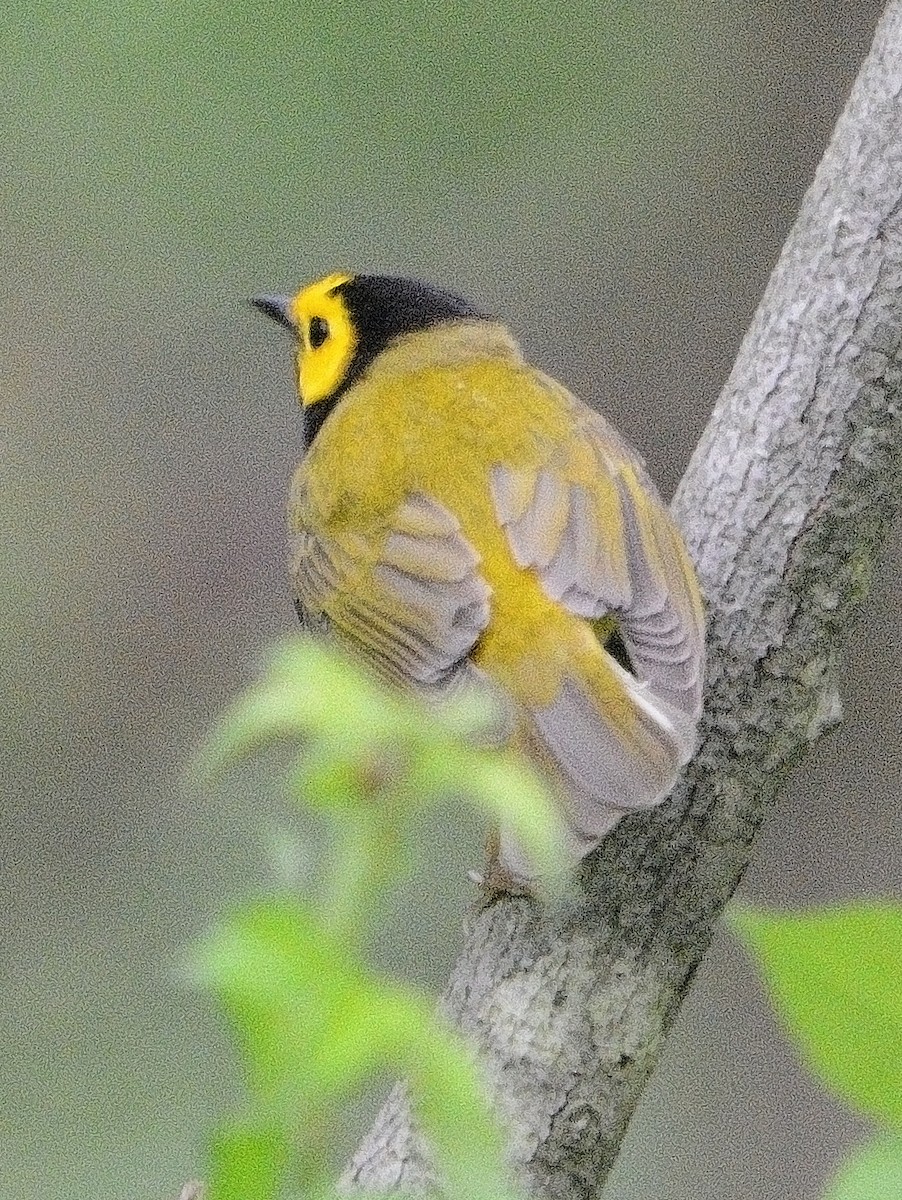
(412, 600)
(604, 546)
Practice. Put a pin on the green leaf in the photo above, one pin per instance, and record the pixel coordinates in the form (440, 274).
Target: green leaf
(452, 1108)
(279, 976)
(510, 790)
(307, 690)
(873, 1172)
(247, 1162)
(836, 979)
(312, 1020)
(314, 1024)
(370, 756)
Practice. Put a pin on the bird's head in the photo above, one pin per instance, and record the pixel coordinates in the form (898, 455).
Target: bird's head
(343, 322)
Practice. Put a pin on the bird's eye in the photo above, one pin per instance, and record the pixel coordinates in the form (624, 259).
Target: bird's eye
(317, 332)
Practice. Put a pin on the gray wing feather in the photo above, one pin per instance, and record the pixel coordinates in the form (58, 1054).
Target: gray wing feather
(415, 604)
(597, 564)
(665, 637)
(552, 527)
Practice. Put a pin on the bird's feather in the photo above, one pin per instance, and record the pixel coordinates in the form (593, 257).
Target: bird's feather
(413, 600)
(610, 552)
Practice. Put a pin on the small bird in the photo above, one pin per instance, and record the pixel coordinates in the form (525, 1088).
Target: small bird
(459, 515)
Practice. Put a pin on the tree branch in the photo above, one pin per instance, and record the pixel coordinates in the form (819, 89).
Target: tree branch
(785, 505)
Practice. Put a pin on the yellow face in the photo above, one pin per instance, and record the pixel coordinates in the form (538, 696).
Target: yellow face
(344, 322)
(327, 339)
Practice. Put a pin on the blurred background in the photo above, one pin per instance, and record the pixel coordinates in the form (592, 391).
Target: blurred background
(617, 181)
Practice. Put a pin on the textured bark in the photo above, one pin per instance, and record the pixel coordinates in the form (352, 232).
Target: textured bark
(784, 506)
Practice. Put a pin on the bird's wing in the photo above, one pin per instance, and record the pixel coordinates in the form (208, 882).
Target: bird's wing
(663, 625)
(412, 599)
(591, 525)
(605, 545)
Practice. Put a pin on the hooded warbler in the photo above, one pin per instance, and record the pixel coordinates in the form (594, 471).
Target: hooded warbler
(459, 514)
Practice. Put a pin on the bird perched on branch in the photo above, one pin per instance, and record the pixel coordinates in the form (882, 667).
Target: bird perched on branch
(459, 514)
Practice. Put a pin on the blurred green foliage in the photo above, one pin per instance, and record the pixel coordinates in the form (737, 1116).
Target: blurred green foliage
(836, 980)
(873, 1172)
(299, 106)
(314, 1022)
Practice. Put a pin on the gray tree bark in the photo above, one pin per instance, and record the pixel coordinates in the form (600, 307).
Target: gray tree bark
(785, 506)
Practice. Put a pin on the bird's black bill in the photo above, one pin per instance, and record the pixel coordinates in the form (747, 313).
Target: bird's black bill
(276, 307)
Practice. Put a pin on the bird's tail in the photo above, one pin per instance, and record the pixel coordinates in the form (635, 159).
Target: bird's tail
(610, 744)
